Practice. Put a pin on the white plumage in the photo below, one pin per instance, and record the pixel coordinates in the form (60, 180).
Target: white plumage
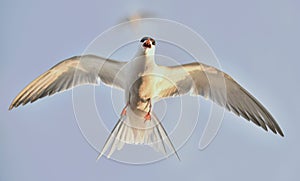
(144, 82)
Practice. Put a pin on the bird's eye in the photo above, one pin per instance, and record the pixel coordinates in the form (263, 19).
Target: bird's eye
(153, 42)
(143, 39)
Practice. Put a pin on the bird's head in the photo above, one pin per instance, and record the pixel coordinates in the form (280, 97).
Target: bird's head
(148, 45)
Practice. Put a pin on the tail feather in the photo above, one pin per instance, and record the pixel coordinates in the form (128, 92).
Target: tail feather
(110, 138)
(164, 136)
(132, 129)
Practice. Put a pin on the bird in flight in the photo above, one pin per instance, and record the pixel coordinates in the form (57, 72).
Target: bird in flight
(144, 82)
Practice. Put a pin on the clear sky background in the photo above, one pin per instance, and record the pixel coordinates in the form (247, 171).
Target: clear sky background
(257, 42)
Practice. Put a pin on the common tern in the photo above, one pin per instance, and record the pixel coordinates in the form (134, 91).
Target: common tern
(144, 83)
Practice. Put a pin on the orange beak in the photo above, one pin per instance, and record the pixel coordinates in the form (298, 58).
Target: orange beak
(147, 44)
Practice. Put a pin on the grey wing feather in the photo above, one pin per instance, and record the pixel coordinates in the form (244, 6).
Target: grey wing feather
(69, 73)
(209, 82)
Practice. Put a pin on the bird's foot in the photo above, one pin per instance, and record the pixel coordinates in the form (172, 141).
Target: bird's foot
(147, 117)
(124, 111)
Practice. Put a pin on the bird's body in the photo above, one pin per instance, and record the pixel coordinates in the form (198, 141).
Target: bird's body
(144, 82)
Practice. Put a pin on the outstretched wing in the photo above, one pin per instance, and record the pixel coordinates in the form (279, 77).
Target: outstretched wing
(69, 73)
(207, 81)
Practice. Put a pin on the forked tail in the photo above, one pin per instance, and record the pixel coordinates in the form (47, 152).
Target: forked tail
(132, 129)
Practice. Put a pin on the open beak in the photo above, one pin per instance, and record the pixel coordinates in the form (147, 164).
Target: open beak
(147, 44)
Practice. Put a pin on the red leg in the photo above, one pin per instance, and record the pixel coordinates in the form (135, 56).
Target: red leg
(148, 115)
(123, 113)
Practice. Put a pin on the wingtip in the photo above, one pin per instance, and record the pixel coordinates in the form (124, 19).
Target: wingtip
(276, 131)
(10, 107)
(281, 133)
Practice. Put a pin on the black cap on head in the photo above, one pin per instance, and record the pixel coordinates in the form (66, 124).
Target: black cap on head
(148, 38)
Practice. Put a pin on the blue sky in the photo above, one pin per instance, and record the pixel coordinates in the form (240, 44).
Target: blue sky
(256, 42)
